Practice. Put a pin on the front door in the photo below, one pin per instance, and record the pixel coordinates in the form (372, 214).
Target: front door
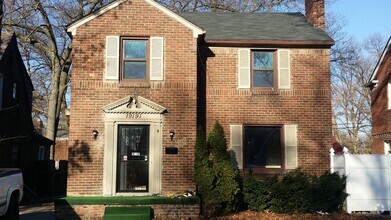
(132, 157)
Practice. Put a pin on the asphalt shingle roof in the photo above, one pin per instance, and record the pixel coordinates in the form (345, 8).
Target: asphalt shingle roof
(256, 26)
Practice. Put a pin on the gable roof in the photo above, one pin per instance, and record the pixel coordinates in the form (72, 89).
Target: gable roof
(265, 28)
(374, 73)
(73, 26)
(258, 27)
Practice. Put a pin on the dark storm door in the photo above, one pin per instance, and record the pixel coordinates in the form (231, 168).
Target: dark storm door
(133, 156)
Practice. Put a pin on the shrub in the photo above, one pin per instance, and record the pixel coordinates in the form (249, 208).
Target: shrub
(327, 193)
(258, 194)
(296, 192)
(215, 178)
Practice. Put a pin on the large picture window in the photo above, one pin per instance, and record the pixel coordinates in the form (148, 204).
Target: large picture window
(134, 59)
(263, 147)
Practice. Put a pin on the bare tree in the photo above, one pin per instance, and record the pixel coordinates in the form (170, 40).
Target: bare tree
(230, 5)
(41, 29)
(351, 68)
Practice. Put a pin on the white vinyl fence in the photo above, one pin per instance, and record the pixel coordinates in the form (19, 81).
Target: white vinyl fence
(368, 180)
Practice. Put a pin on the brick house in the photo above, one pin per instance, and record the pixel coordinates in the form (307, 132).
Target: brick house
(380, 86)
(145, 78)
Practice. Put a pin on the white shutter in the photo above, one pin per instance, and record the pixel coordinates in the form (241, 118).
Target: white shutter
(389, 94)
(284, 78)
(156, 58)
(236, 146)
(290, 138)
(112, 57)
(244, 68)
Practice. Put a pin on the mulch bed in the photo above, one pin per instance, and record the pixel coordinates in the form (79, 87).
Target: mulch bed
(273, 216)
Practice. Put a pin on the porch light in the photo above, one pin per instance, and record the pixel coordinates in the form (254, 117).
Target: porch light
(95, 133)
(172, 135)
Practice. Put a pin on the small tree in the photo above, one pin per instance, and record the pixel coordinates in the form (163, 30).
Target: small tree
(215, 178)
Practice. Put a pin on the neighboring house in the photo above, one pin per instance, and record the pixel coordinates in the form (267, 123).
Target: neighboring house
(380, 85)
(20, 145)
(145, 78)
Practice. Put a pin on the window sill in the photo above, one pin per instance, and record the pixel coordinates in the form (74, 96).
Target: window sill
(137, 84)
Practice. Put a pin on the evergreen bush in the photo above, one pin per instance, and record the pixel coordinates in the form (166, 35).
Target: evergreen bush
(296, 192)
(215, 178)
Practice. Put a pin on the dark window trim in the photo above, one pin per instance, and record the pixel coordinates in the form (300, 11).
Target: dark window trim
(122, 60)
(275, 70)
(264, 170)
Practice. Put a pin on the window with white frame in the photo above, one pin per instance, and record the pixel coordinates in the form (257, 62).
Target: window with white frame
(134, 58)
(263, 69)
(264, 147)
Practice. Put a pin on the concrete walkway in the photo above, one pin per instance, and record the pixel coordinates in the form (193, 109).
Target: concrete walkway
(44, 211)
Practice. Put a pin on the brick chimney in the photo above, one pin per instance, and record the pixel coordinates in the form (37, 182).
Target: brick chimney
(314, 10)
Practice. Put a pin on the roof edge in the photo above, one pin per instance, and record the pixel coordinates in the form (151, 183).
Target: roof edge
(374, 73)
(272, 43)
(72, 28)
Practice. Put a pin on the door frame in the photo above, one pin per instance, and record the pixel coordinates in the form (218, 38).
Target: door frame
(110, 158)
(133, 111)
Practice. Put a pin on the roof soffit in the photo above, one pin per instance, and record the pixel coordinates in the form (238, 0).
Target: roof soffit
(72, 28)
(134, 104)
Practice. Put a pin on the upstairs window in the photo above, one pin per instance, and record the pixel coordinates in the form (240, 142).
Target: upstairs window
(134, 59)
(264, 69)
(263, 73)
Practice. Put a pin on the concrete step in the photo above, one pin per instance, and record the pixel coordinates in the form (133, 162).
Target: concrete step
(128, 213)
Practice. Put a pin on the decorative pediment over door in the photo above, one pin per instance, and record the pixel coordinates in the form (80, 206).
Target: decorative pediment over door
(134, 104)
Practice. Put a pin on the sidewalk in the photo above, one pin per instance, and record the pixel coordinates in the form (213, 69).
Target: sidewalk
(43, 211)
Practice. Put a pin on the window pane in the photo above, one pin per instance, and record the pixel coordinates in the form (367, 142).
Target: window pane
(135, 49)
(135, 70)
(263, 78)
(263, 60)
(263, 147)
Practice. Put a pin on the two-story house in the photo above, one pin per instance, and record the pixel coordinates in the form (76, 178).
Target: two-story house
(380, 86)
(144, 78)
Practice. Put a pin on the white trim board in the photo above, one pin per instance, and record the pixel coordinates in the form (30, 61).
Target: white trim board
(72, 28)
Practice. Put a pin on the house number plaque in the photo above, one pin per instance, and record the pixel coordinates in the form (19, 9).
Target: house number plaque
(133, 115)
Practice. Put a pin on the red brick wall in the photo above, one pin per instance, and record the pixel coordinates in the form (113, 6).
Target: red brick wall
(90, 93)
(307, 104)
(96, 212)
(381, 115)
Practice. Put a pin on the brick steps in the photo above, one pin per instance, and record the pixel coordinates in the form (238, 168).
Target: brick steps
(128, 213)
